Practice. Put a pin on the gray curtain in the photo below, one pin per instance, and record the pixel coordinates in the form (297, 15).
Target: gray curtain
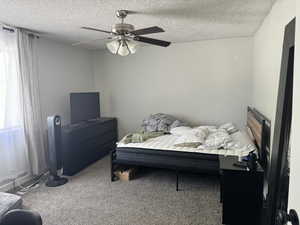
(30, 102)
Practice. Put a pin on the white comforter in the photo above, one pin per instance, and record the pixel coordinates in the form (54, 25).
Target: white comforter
(241, 145)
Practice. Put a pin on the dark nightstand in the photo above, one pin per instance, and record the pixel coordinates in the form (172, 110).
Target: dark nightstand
(241, 193)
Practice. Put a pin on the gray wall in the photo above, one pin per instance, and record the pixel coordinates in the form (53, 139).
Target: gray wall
(267, 50)
(207, 82)
(62, 69)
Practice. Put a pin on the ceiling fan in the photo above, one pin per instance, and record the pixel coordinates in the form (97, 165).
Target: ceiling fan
(125, 37)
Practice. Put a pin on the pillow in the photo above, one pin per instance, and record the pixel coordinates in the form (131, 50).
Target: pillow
(217, 140)
(189, 140)
(229, 127)
(210, 129)
(200, 133)
(178, 131)
(241, 141)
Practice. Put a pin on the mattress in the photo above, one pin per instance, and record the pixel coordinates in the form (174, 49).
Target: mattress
(166, 143)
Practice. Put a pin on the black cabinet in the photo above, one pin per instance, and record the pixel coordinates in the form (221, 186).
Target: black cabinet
(85, 143)
(241, 193)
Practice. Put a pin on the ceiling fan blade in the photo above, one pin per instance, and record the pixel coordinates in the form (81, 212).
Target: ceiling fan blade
(148, 30)
(152, 41)
(96, 29)
(89, 41)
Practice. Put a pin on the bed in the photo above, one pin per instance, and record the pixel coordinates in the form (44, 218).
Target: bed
(160, 152)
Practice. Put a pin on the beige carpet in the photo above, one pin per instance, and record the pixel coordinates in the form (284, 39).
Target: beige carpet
(90, 198)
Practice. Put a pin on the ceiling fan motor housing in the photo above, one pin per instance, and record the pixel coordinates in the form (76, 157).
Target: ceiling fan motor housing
(122, 13)
(122, 28)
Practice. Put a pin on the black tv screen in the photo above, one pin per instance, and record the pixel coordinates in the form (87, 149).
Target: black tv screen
(84, 106)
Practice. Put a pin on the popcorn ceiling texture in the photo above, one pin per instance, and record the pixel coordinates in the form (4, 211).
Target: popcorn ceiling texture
(183, 20)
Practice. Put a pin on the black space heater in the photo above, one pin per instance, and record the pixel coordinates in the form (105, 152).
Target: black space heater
(55, 151)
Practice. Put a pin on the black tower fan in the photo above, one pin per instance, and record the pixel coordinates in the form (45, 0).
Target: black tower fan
(54, 149)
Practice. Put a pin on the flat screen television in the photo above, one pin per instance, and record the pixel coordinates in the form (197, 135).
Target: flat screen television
(84, 106)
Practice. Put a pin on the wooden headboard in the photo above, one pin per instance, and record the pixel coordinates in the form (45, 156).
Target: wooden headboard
(260, 127)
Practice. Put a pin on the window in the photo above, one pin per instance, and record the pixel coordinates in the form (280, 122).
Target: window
(9, 86)
(13, 151)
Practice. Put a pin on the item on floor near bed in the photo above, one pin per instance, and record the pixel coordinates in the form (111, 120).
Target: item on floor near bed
(126, 173)
(229, 127)
(161, 122)
(141, 137)
(9, 202)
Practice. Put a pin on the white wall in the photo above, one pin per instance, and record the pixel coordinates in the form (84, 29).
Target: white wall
(204, 82)
(62, 69)
(267, 49)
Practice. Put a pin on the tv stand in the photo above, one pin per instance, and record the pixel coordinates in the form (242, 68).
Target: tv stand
(86, 142)
(93, 120)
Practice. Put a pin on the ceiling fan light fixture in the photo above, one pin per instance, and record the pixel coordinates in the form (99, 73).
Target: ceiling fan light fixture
(132, 46)
(113, 46)
(122, 47)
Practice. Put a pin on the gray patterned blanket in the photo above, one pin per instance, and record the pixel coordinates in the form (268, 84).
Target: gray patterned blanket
(161, 122)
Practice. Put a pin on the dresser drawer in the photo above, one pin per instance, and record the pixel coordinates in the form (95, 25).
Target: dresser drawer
(83, 145)
(94, 131)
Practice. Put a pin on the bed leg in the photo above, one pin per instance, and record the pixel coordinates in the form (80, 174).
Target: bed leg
(177, 178)
(112, 166)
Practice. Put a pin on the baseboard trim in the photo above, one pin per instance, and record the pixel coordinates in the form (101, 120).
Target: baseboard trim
(20, 180)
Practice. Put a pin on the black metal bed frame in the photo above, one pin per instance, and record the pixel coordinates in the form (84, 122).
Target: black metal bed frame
(176, 160)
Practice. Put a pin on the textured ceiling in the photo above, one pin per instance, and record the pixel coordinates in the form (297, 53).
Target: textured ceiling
(183, 20)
